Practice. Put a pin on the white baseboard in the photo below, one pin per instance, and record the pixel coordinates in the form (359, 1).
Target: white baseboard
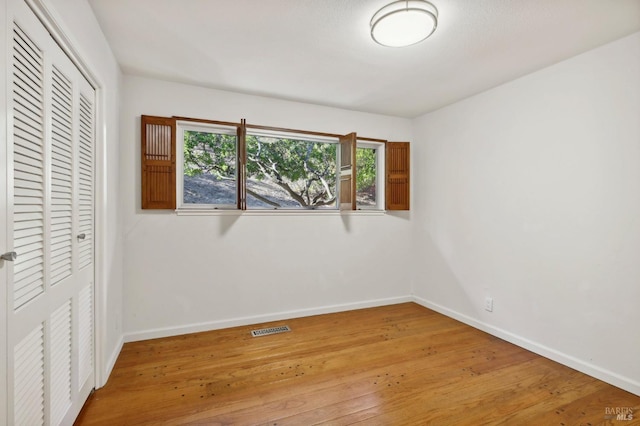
(545, 351)
(242, 321)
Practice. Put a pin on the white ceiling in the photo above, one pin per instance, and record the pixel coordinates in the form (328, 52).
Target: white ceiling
(320, 51)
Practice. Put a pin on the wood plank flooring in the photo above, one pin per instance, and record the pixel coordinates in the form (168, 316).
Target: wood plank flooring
(394, 365)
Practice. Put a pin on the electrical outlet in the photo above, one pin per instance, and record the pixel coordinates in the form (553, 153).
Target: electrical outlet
(488, 304)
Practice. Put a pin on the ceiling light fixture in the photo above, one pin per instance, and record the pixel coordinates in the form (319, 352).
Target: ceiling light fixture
(404, 22)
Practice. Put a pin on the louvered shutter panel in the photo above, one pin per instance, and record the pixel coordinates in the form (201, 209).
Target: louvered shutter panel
(61, 348)
(85, 346)
(28, 168)
(348, 172)
(397, 176)
(28, 377)
(85, 182)
(61, 176)
(158, 162)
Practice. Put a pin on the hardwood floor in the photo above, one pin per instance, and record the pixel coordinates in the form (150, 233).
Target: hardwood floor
(393, 365)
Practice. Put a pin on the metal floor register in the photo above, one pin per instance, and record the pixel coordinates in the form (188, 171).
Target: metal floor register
(272, 330)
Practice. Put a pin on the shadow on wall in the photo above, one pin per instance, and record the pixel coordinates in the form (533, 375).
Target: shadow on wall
(400, 214)
(226, 222)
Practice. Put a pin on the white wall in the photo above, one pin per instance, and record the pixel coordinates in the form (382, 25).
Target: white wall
(187, 273)
(530, 193)
(80, 26)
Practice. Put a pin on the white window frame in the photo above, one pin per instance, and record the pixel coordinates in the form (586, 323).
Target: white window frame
(181, 127)
(380, 174)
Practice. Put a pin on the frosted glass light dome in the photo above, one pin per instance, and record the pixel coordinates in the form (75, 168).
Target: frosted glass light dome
(404, 22)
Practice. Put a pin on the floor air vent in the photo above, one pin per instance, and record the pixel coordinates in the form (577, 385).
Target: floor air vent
(272, 330)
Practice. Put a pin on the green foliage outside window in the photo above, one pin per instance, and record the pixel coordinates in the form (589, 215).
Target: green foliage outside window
(366, 167)
(305, 170)
(209, 153)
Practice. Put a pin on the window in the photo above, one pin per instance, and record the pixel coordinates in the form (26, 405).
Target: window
(290, 171)
(207, 162)
(370, 175)
(220, 165)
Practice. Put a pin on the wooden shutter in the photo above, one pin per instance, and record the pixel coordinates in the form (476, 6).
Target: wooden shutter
(158, 162)
(348, 172)
(397, 176)
(241, 169)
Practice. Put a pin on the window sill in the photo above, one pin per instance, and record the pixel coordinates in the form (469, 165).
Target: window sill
(277, 212)
(207, 212)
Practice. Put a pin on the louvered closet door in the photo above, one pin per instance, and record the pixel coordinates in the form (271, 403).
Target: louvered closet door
(50, 198)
